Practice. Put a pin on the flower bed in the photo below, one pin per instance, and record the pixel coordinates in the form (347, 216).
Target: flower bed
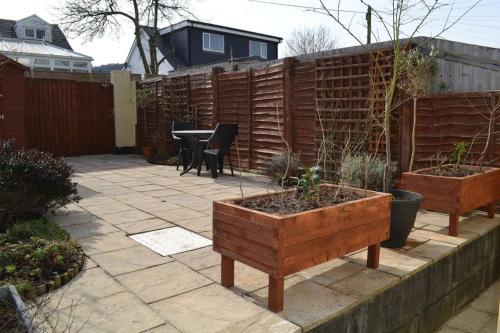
(37, 256)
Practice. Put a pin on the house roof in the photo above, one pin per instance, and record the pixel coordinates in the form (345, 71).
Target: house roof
(221, 28)
(15, 47)
(58, 37)
(163, 46)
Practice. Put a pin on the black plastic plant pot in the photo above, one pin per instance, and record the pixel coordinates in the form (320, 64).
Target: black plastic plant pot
(405, 206)
(10, 297)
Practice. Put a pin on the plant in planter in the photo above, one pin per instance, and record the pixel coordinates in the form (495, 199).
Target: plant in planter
(367, 172)
(455, 188)
(283, 233)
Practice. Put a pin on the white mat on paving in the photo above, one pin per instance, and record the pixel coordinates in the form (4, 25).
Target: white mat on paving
(171, 240)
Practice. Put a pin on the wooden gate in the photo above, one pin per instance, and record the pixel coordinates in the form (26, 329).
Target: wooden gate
(69, 118)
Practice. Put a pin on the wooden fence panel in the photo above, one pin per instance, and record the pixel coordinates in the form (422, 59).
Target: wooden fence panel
(267, 124)
(303, 110)
(443, 120)
(202, 99)
(69, 118)
(233, 105)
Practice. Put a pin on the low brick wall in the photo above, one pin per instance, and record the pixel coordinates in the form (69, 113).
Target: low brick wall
(424, 301)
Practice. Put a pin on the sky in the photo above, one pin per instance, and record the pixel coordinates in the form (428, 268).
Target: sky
(479, 26)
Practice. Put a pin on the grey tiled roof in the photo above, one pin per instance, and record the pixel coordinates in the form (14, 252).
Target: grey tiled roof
(163, 46)
(58, 38)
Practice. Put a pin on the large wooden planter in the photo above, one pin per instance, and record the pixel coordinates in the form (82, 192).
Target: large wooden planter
(455, 195)
(283, 245)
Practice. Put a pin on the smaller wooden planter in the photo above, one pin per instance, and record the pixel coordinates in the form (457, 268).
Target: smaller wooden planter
(455, 195)
(283, 245)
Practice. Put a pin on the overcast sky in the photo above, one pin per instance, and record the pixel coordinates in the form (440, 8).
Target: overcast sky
(480, 26)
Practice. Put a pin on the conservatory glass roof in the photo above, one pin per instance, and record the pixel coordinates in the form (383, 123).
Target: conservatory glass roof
(38, 48)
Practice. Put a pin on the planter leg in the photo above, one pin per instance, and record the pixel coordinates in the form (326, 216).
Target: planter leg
(227, 272)
(453, 225)
(492, 207)
(373, 256)
(276, 294)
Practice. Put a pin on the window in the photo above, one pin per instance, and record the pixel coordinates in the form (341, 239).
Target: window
(34, 33)
(258, 49)
(40, 34)
(42, 62)
(61, 63)
(213, 42)
(29, 33)
(80, 64)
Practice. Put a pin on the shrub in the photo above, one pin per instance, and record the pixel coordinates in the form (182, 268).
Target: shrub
(355, 169)
(32, 183)
(284, 166)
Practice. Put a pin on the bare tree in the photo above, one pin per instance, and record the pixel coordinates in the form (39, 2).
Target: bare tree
(418, 71)
(310, 40)
(94, 18)
(398, 23)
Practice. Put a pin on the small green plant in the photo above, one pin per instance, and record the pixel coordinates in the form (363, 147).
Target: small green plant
(308, 183)
(284, 169)
(363, 171)
(459, 153)
(41, 228)
(143, 97)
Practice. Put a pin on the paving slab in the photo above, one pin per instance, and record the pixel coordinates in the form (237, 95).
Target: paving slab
(120, 313)
(88, 229)
(198, 224)
(365, 283)
(177, 215)
(470, 320)
(129, 260)
(217, 309)
(126, 216)
(307, 303)
(106, 242)
(433, 249)
(246, 278)
(331, 271)
(136, 227)
(159, 282)
(88, 286)
(393, 262)
(71, 219)
(199, 259)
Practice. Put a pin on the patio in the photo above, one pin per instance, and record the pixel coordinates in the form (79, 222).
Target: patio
(127, 287)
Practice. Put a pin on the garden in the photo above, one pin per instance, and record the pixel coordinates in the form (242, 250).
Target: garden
(36, 255)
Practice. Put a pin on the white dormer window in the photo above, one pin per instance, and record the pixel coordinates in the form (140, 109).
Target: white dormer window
(213, 42)
(29, 32)
(258, 49)
(34, 33)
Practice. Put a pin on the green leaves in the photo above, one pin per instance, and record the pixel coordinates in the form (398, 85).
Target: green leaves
(459, 153)
(307, 183)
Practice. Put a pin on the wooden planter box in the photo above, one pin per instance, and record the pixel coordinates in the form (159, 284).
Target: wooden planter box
(283, 245)
(455, 195)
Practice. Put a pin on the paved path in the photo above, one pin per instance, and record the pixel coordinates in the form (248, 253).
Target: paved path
(480, 316)
(126, 287)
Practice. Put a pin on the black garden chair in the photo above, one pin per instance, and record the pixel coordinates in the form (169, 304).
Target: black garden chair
(223, 137)
(185, 143)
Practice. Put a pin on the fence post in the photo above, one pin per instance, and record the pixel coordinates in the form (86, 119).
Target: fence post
(287, 93)
(250, 129)
(406, 132)
(215, 97)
